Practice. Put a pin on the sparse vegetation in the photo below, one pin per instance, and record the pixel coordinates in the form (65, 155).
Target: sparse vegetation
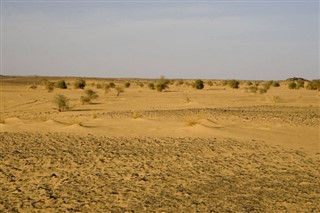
(106, 88)
(210, 83)
(80, 84)
(313, 85)
(127, 85)
(33, 86)
(151, 86)
(276, 84)
(249, 83)
(233, 84)
(62, 102)
(112, 85)
(162, 84)
(119, 90)
(61, 84)
(292, 85)
(198, 84)
(299, 84)
(140, 84)
(85, 99)
(49, 86)
(91, 94)
(99, 86)
(253, 89)
(179, 82)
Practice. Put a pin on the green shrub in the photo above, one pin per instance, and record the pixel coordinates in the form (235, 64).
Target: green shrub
(162, 84)
(80, 84)
(151, 86)
(127, 85)
(313, 85)
(233, 84)
(61, 84)
(198, 84)
(292, 85)
(61, 102)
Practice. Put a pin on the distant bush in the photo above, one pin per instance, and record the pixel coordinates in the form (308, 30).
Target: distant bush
(33, 86)
(275, 84)
(85, 99)
(49, 86)
(91, 94)
(262, 90)
(299, 84)
(119, 90)
(61, 102)
(151, 86)
(233, 84)
(210, 83)
(224, 83)
(140, 84)
(79, 84)
(267, 85)
(162, 84)
(313, 85)
(99, 86)
(292, 85)
(249, 83)
(253, 89)
(179, 82)
(61, 84)
(106, 88)
(198, 84)
(127, 85)
(112, 85)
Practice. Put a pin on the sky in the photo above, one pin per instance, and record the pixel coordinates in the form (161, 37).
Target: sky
(267, 40)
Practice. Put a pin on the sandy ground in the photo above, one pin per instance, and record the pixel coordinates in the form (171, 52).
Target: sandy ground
(183, 150)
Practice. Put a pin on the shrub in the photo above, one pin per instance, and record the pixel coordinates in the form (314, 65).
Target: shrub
(210, 83)
(99, 86)
(179, 82)
(79, 84)
(249, 83)
(275, 84)
(106, 88)
(91, 94)
(112, 85)
(267, 85)
(299, 84)
(61, 84)
(292, 85)
(313, 85)
(33, 86)
(119, 90)
(127, 85)
(61, 102)
(253, 89)
(262, 90)
(85, 99)
(151, 86)
(140, 84)
(162, 84)
(198, 84)
(49, 86)
(233, 84)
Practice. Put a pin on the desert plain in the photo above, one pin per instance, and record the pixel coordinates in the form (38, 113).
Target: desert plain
(216, 149)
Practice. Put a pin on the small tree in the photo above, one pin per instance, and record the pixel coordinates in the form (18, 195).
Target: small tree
(198, 84)
(61, 84)
(119, 90)
(61, 102)
(79, 84)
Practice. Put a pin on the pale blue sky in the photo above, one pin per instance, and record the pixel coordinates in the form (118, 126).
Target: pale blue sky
(207, 39)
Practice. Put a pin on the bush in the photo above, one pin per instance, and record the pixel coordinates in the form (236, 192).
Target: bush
(112, 85)
(151, 86)
(33, 86)
(313, 85)
(275, 84)
(119, 90)
(79, 84)
(127, 85)
(61, 84)
(49, 86)
(162, 84)
(61, 102)
(179, 82)
(233, 84)
(253, 89)
(99, 86)
(249, 83)
(198, 84)
(292, 85)
(267, 85)
(91, 94)
(106, 88)
(210, 83)
(299, 84)
(140, 84)
(262, 90)
(85, 99)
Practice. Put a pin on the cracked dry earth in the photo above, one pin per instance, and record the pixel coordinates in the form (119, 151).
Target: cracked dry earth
(62, 172)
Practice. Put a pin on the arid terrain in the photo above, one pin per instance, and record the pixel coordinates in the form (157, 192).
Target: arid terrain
(215, 149)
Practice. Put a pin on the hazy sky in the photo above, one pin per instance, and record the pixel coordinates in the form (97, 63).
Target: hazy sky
(177, 39)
